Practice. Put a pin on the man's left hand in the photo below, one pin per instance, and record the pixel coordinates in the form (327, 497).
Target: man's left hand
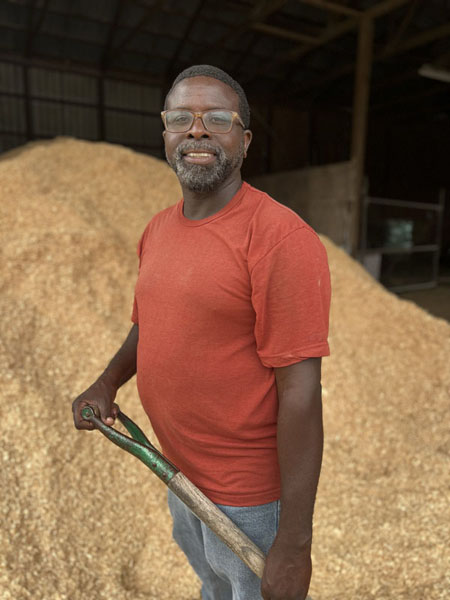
(287, 573)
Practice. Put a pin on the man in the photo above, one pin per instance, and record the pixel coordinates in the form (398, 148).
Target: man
(230, 324)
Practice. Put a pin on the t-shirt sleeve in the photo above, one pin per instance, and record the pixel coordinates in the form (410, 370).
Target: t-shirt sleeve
(135, 311)
(291, 294)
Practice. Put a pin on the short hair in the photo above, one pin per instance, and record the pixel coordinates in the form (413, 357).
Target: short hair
(216, 73)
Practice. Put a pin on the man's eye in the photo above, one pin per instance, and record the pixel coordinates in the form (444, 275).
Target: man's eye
(219, 119)
(180, 119)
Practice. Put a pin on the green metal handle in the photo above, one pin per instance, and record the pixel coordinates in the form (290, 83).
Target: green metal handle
(184, 489)
(136, 432)
(138, 445)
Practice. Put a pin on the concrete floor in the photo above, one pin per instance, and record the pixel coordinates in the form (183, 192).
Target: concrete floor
(435, 301)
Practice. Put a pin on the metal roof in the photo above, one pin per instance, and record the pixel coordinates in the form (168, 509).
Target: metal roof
(294, 51)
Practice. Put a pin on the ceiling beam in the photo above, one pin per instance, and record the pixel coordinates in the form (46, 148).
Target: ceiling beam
(140, 25)
(413, 42)
(293, 55)
(111, 33)
(82, 68)
(404, 24)
(420, 39)
(384, 7)
(333, 7)
(284, 33)
(185, 37)
(41, 17)
(30, 18)
(345, 26)
(259, 13)
(201, 45)
(331, 33)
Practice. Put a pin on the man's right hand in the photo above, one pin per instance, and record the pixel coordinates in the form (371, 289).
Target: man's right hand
(100, 395)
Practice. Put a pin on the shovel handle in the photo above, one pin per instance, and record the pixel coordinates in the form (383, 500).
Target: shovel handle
(183, 488)
(218, 522)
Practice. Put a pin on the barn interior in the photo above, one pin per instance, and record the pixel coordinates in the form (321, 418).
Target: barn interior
(349, 100)
(350, 114)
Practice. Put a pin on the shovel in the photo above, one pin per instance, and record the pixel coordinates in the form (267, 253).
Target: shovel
(182, 487)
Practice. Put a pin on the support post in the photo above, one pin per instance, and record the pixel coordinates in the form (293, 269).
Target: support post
(360, 114)
(29, 126)
(101, 107)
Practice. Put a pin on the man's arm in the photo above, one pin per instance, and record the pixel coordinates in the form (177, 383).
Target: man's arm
(123, 366)
(300, 444)
(103, 391)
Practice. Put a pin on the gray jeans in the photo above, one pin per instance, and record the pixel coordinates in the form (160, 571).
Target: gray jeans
(223, 575)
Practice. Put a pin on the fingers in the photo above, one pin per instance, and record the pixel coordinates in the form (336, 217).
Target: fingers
(77, 406)
(105, 413)
(108, 414)
(78, 420)
(100, 398)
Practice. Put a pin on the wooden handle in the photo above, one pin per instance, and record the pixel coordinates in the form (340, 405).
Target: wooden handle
(218, 522)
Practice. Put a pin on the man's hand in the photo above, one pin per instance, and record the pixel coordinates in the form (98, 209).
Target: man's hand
(100, 395)
(287, 573)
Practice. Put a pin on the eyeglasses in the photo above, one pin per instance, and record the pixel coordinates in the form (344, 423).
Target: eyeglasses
(214, 121)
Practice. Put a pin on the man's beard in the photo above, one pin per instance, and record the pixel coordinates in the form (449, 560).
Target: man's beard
(204, 178)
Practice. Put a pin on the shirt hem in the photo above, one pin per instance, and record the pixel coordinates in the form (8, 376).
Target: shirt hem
(283, 360)
(241, 499)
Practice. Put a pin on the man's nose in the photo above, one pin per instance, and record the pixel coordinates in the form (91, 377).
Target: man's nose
(198, 130)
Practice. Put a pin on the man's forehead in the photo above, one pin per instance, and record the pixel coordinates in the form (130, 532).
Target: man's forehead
(208, 89)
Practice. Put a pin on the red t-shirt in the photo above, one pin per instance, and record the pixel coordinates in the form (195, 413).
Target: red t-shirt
(219, 303)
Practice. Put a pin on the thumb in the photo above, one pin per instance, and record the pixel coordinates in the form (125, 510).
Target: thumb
(106, 414)
(115, 410)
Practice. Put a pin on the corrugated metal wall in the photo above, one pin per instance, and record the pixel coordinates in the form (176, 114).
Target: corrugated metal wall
(12, 107)
(41, 103)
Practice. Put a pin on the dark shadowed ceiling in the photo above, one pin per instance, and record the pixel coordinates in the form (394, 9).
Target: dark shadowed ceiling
(301, 52)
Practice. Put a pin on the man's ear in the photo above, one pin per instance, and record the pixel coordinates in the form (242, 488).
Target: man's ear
(247, 141)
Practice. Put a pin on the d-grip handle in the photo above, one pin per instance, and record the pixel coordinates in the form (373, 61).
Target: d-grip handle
(182, 487)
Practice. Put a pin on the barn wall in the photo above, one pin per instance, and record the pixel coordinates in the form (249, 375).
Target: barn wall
(290, 137)
(40, 103)
(409, 159)
(323, 196)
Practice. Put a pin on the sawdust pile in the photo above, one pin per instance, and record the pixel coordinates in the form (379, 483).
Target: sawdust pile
(82, 519)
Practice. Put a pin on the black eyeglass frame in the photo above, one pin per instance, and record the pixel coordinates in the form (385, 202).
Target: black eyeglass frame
(234, 117)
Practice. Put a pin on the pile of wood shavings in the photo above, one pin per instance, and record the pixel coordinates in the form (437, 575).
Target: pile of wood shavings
(84, 520)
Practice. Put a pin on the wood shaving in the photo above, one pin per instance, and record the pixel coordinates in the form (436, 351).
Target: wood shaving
(82, 519)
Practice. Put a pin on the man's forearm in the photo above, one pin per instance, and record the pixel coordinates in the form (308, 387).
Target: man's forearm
(123, 366)
(288, 569)
(300, 447)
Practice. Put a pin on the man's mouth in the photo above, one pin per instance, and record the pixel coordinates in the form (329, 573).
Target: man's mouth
(199, 153)
(199, 157)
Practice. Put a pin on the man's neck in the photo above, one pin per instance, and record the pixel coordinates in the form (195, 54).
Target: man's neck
(200, 206)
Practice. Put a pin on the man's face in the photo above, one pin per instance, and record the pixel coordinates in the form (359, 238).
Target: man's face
(222, 153)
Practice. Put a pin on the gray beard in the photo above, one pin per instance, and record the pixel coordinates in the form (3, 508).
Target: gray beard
(204, 178)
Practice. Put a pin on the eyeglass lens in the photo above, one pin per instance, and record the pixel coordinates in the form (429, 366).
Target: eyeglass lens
(215, 121)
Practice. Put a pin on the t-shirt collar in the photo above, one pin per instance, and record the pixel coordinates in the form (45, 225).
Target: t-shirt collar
(230, 205)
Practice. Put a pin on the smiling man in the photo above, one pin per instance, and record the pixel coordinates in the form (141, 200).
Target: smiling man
(230, 324)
